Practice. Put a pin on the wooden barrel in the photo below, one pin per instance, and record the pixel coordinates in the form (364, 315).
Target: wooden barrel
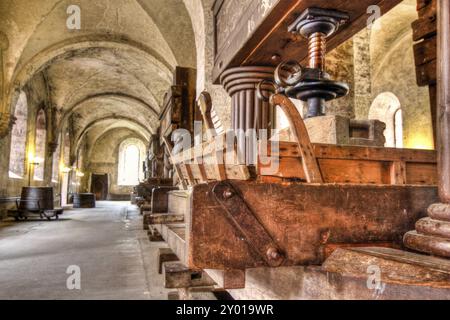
(84, 200)
(37, 198)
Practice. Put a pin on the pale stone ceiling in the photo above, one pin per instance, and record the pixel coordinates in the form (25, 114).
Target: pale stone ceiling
(114, 70)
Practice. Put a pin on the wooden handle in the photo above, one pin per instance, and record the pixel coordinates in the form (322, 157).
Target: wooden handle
(176, 165)
(205, 105)
(298, 128)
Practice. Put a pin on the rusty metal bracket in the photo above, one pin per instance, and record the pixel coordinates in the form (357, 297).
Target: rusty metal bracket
(243, 219)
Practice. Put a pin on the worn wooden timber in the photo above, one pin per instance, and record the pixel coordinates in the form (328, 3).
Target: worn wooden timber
(177, 275)
(165, 255)
(425, 51)
(219, 162)
(304, 220)
(396, 266)
(298, 130)
(160, 199)
(354, 164)
(337, 164)
(266, 40)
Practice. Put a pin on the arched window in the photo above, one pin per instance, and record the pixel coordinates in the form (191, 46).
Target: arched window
(131, 156)
(56, 161)
(40, 144)
(19, 139)
(386, 108)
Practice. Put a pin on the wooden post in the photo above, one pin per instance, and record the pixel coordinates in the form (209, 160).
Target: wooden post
(443, 94)
(247, 111)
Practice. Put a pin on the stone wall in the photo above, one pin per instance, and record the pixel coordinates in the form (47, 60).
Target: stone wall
(103, 158)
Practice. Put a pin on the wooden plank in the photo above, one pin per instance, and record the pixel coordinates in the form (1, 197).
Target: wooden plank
(269, 42)
(398, 172)
(177, 275)
(398, 266)
(356, 171)
(338, 164)
(424, 27)
(421, 174)
(175, 164)
(426, 8)
(425, 51)
(300, 134)
(426, 74)
(326, 151)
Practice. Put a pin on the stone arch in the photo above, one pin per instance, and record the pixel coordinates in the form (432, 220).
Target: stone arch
(98, 122)
(387, 108)
(25, 71)
(17, 158)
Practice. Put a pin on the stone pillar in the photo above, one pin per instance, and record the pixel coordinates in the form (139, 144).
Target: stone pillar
(340, 66)
(362, 76)
(247, 110)
(6, 120)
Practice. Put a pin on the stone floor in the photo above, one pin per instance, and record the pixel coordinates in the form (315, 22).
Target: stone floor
(108, 244)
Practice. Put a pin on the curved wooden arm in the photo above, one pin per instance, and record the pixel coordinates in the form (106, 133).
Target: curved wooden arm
(300, 133)
(176, 165)
(205, 105)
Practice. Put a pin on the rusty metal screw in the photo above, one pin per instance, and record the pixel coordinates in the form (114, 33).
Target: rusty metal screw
(273, 254)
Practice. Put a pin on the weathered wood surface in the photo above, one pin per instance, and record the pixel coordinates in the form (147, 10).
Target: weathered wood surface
(396, 266)
(266, 41)
(177, 275)
(337, 164)
(165, 255)
(303, 220)
(353, 164)
(300, 133)
(160, 199)
(426, 243)
(163, 218)
(214, 161)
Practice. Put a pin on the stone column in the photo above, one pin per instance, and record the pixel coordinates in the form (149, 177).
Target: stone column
(247, 110)
(362, 76)
(6, 119)
(340, 66)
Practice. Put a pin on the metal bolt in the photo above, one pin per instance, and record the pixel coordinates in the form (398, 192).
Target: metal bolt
(276, 57)
(273, 254)
(227, 194)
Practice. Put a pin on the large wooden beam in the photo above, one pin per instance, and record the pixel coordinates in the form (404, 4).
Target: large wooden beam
(250, 37)
(443, 109)
(306, 221)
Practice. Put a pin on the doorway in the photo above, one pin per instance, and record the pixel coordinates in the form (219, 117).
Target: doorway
(99, 186)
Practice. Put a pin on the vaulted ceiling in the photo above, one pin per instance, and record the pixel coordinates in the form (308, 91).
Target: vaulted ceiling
(113, 72)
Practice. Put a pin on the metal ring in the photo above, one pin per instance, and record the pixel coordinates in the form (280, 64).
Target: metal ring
(259, 92)
(293, 70)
